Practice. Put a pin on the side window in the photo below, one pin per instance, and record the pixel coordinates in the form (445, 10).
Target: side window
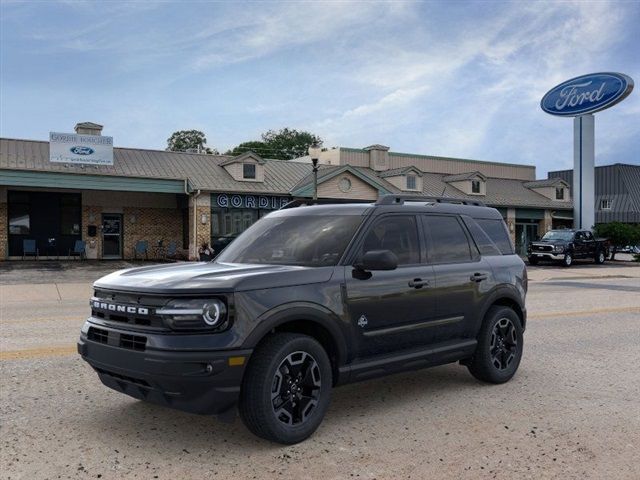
(497, 231)
(448, 241)
(579, 236)
(480, 237)
(396, 233)
(588, 236)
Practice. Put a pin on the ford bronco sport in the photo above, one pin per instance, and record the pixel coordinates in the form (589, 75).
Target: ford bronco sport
(312, 297)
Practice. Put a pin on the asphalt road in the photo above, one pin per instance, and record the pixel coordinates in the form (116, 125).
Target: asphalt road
(572, 411)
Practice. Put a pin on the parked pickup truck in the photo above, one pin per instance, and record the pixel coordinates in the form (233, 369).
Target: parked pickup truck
(567, 245)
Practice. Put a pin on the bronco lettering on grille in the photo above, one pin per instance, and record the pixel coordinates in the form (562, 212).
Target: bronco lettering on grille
(112, 307)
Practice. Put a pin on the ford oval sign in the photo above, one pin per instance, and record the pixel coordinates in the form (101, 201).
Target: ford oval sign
(587, 94)
(81, 150)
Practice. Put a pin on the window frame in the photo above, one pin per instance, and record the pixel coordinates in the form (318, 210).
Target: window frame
(474, 253)
(559, 193)
(477, 182)
(354, 248)
(414, 178)
(608, 203)
(244, 173)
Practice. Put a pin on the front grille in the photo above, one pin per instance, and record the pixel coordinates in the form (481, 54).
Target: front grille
(543, 248)
(139, 310)
(98, 335)
(133, 342)
(117, 376)
(123, 340)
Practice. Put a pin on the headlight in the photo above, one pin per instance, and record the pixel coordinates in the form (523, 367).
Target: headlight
(194, 314)
(559, 248)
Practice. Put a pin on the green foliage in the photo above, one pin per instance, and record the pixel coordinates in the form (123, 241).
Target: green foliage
(619, 234)
(283, 144)
(255, 146)
(184, 140)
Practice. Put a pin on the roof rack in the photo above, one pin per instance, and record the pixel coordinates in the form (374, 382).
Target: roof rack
(400, 199)
(302, 202)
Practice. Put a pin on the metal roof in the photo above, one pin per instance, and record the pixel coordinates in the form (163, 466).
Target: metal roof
(202, 171)
(394, 172)
(547, 182)
(464, 176)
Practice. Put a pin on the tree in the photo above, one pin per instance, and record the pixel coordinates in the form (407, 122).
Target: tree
(619, 234)
(184, 140)
(255, 146)
(283, 144)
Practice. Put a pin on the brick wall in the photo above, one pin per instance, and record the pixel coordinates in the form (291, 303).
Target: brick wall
(151, 224)
(203, 230)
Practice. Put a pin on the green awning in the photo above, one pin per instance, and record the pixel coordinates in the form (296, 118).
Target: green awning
(529, 214)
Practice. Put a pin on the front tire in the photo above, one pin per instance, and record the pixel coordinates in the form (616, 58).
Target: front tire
(286, 389)
(567, 261)
(500, 345)
(600, 257)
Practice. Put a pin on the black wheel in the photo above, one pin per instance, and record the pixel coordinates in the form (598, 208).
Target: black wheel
(499, 349)
(533, 260)
(600, 257)
(567, 261)
(286, 388)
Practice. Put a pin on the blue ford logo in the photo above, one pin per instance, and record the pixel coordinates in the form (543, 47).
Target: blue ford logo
(587, 94)
(82, 150)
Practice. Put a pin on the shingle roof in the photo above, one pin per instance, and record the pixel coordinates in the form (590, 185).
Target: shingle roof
(547, 182)
(394, 172)
(463, 176)
(203, 171)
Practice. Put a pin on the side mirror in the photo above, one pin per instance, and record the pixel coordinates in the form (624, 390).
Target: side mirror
(378, 260)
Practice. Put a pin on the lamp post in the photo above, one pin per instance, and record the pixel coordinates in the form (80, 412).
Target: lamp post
(314, 153)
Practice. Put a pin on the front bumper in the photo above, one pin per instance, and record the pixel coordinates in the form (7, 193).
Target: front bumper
(201, 382)
(547, 255)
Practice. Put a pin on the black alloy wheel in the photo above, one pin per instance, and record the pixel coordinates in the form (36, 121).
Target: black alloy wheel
(500, 346)
(295, 390)
(600, 257)
(504, 344)
(286, 388)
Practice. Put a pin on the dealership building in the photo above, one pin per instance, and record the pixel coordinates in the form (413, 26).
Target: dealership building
(79, 187)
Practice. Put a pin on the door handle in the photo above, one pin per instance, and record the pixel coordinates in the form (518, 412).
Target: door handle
(418, 283)
(478, 277)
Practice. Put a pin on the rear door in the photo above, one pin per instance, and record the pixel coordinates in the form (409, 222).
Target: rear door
(390, 310)
(462, 276)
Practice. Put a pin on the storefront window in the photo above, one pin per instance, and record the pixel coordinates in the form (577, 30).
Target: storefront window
(70, 214)
(19, 220)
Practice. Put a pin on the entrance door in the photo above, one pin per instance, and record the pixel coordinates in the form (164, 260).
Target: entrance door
(111, 235)
(525, 233)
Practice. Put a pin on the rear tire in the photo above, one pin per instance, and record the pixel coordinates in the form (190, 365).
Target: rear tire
(286, 389)
(600, 257)
(500, 344)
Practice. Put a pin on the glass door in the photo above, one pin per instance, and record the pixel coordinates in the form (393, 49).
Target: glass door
(111, 235)
(525, 233)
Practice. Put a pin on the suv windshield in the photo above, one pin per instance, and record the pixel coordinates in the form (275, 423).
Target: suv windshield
(557, 235)
(312, 241)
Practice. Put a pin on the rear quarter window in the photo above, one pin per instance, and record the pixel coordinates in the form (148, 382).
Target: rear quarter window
(497, 232)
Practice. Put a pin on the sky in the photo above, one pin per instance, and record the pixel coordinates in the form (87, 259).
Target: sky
(451, 78)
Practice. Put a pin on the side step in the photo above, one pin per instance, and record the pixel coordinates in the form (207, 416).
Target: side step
(438, 354)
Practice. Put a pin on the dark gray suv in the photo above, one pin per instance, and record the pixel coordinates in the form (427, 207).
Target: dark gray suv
(309, 298)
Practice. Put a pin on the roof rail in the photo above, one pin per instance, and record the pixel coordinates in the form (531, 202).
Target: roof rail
(400, 199)
(302, 202)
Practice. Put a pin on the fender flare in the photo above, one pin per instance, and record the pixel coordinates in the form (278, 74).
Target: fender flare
(508, 292)
(305, 311)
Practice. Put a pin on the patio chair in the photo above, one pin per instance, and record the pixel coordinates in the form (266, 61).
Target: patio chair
(29, 248)
(172, 249)
(79, 249)
(142, 247)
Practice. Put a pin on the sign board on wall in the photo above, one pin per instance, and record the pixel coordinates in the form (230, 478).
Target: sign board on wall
(80, 149)
(229, 200)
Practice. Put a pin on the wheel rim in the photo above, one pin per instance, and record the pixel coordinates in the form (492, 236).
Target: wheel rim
(601, 257)
(295, 390)
(504, 344)
(567, 259)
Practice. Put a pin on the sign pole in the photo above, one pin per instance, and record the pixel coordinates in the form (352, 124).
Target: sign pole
(583, 171)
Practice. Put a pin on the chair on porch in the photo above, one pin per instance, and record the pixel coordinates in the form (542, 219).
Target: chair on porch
(29, 248)
(80, 249)
(141, 248)
(171, 251)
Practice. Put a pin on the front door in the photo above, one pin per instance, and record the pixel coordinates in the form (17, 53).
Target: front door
(390, 310)
(112, 235)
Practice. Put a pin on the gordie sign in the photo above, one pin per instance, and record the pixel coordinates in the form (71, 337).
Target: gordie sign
(587, 94)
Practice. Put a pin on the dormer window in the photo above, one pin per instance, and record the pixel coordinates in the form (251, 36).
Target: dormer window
(475, 186)
(411, 182)
(559, 193)
(249, 171)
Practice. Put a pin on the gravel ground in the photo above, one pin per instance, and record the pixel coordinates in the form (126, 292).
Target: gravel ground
(572, 411)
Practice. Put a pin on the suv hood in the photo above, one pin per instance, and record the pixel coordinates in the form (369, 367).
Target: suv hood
(210, 277)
